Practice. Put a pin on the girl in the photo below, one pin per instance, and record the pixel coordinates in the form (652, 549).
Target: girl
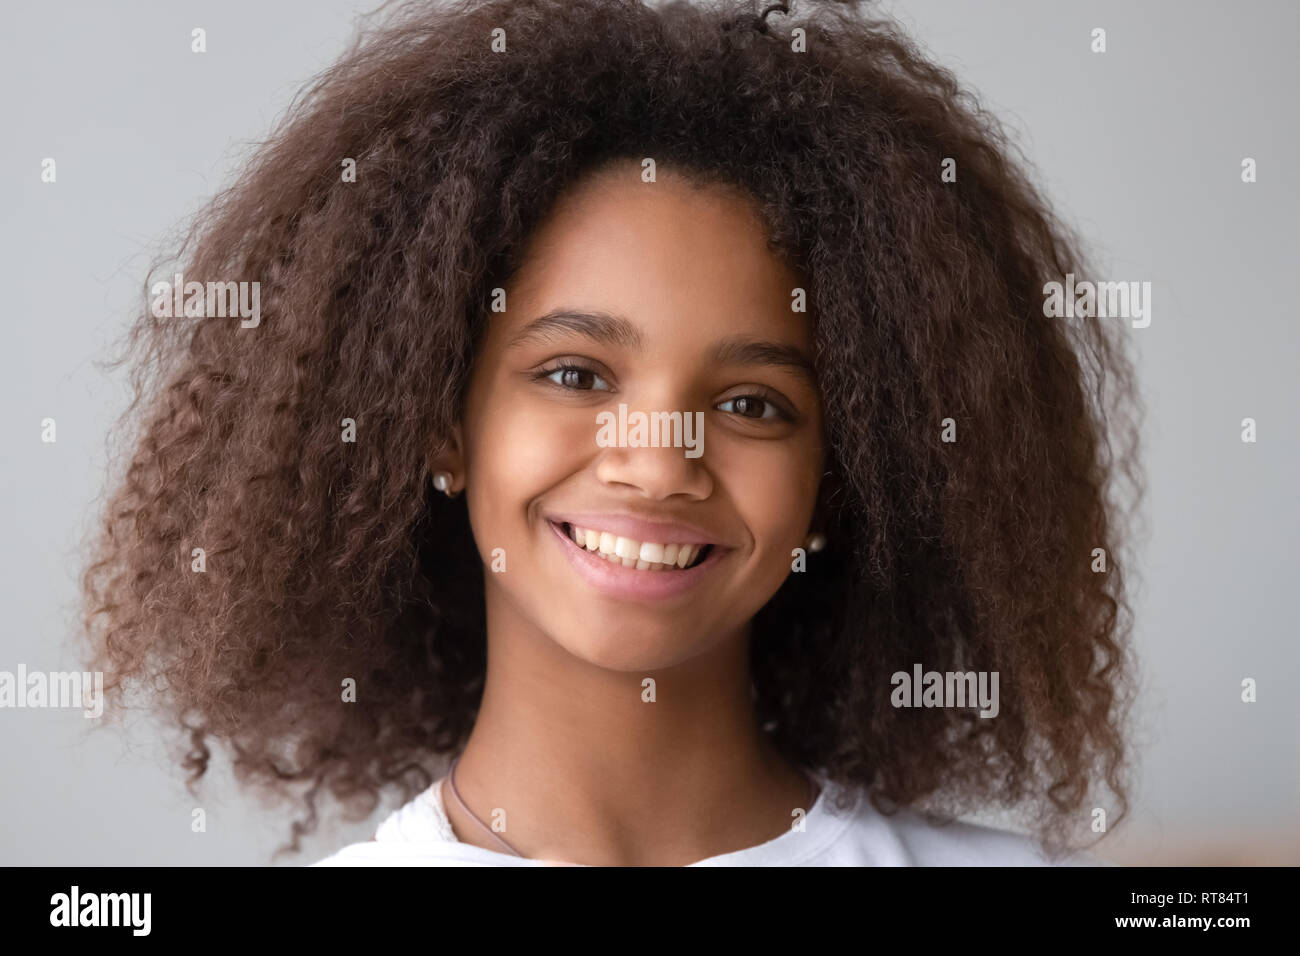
(652, 450)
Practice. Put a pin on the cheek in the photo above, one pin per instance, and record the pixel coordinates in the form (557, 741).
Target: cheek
(774, 490)
(518, 447)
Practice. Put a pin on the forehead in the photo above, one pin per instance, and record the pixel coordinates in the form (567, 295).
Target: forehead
(667, 254)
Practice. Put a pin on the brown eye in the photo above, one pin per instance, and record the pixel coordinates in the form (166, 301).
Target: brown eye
(752, 406)
(575, 377)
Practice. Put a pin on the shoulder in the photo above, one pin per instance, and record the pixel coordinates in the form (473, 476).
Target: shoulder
(968, 844)
(910, 838)
(422, 819)
(415, 831)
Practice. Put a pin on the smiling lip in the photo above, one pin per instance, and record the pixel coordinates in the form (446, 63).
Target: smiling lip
(629, 583)
(638, 529)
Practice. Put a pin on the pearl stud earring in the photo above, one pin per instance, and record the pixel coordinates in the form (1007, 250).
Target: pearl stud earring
(815, 541)
(442, 481)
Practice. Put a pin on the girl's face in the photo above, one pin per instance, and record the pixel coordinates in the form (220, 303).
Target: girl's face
(664, 299)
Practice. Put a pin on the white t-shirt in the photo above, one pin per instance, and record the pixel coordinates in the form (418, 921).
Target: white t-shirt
(419, 834)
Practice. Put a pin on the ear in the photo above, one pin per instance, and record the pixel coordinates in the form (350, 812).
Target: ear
(829, 490)
(449, 456)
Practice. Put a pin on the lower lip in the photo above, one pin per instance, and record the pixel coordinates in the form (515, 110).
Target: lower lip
(618, 581)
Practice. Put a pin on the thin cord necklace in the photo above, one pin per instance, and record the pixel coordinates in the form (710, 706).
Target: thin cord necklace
(451, 779)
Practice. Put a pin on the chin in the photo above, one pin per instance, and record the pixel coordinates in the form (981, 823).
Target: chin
(626, 647)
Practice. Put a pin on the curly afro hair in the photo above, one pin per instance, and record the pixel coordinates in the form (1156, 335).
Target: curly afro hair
(328, 558)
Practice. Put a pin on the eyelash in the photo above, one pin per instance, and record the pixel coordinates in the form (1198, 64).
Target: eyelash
(544, 375)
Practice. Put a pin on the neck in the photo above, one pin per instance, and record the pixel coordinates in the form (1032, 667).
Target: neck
(587, 771)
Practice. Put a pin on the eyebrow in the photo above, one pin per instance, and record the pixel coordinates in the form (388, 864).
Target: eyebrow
(740, 350)
(604, 327)
(616, 330)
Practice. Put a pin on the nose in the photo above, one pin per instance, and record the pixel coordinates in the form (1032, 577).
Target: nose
(657, 472)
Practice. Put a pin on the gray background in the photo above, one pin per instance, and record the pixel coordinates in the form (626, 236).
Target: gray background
(1139, 147)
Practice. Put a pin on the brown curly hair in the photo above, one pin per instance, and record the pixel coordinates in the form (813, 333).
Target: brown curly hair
(329, 558)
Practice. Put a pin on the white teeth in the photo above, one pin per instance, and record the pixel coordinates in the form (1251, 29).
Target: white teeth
(629, 553)
(651, 552)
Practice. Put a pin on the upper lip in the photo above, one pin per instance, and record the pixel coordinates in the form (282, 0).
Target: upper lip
(637, 528)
